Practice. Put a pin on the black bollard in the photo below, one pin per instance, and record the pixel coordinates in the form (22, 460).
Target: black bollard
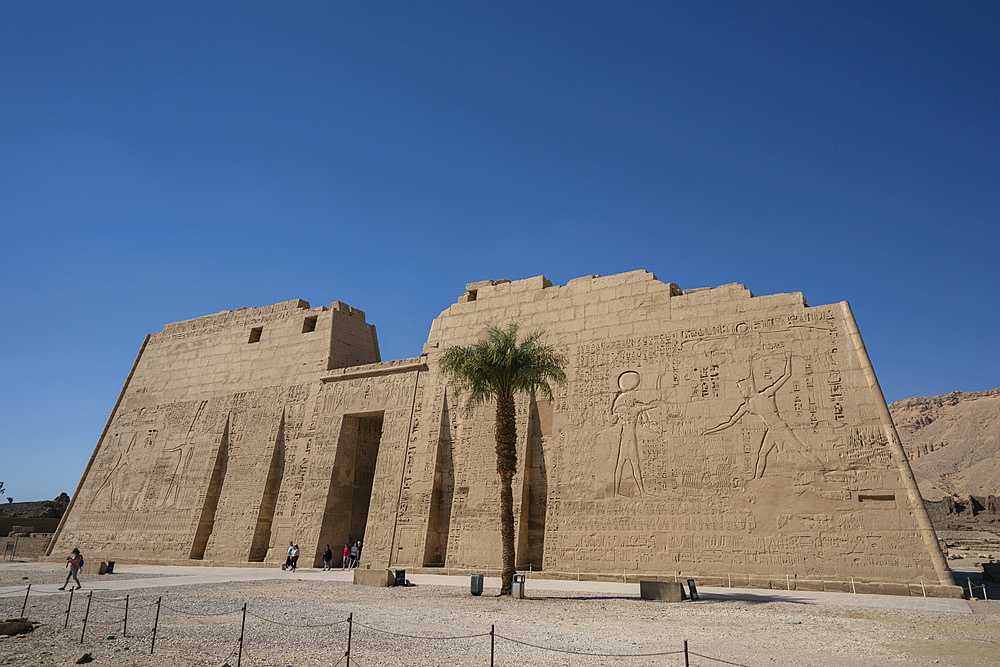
(350, 626)
(492, 642)
(243, 626)
(125, 622)
(686, 664)
(68, 607)
(25, 605)
(156, 622)
(90, 598)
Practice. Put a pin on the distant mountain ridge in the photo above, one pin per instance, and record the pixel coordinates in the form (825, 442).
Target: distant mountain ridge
(952, 441)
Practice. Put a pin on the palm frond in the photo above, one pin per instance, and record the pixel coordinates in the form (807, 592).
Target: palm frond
(499, 365)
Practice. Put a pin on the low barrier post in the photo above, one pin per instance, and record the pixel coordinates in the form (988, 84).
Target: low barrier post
(239, 656)
(25, 604)
(156, 622)
(686, 663)
(90, 598)
(350, 627)
(969, 581)
(68, 607)
(125, 622)
(492, 642)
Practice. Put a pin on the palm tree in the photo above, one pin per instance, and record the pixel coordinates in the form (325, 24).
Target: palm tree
(497, 368)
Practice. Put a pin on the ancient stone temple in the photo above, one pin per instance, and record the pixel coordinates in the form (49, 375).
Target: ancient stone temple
(706, 432)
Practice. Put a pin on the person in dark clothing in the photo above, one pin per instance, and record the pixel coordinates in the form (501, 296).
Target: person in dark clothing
(327, 557)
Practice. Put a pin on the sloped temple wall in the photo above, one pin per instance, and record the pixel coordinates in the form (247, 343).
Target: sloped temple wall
(706, 432)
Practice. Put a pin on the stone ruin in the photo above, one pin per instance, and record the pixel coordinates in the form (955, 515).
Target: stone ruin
(702, 432)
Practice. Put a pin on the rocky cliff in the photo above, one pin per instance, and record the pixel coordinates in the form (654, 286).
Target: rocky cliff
(952, 441)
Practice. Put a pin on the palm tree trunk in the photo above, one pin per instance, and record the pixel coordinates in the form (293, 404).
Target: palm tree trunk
(506, 447)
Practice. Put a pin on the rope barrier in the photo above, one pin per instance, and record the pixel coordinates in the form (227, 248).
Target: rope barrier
(193, 613)
(231, 653)
(725, 662)
(595, 655)
(294, 625)
(108, 603)
(400, 634)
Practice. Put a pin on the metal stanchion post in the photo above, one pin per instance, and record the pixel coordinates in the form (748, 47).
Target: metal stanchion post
(125, 622)
(243, 626)
(156, 622)
(68, 607)
(350, 627)
(25, 604)
(90, 598)
(969, 581)
(493, 637)
(686, 663)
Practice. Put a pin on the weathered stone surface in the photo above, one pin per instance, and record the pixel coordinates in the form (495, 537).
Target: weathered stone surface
(15, 626)
(706, 432)
(93, 566)
(667, 591)
(383, 578)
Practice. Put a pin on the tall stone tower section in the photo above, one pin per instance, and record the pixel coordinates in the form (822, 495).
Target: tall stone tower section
(703, 432)
(207, 454)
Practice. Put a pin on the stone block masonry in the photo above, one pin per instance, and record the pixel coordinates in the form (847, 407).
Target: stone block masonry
(708, 432)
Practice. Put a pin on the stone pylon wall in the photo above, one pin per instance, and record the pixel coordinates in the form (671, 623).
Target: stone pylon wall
(704, 431)
(213, 450)
(707, 432)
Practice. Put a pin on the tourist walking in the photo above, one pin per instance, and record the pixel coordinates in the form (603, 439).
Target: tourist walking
(294, 558)
(288, 556)
(74, 562)
(347, 556)
(354, 555)
(327, 558)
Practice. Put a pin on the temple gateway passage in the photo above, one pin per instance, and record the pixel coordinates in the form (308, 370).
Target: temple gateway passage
(708, 433)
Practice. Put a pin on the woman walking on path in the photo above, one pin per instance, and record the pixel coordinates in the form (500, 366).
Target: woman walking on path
(74, 561)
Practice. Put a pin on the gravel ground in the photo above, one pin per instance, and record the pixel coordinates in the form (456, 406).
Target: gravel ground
(200, 625)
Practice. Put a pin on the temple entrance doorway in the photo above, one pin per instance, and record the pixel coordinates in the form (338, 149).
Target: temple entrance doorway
(346, 515)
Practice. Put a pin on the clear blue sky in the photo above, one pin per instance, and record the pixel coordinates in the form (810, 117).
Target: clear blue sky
(162, 161)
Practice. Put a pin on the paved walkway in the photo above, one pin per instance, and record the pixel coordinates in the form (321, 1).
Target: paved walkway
(535, 587)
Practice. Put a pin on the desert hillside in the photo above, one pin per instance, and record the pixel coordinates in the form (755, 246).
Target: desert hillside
(952, 441)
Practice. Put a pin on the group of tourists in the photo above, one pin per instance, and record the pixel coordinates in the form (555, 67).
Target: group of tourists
(352, 556)
(291, 557)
